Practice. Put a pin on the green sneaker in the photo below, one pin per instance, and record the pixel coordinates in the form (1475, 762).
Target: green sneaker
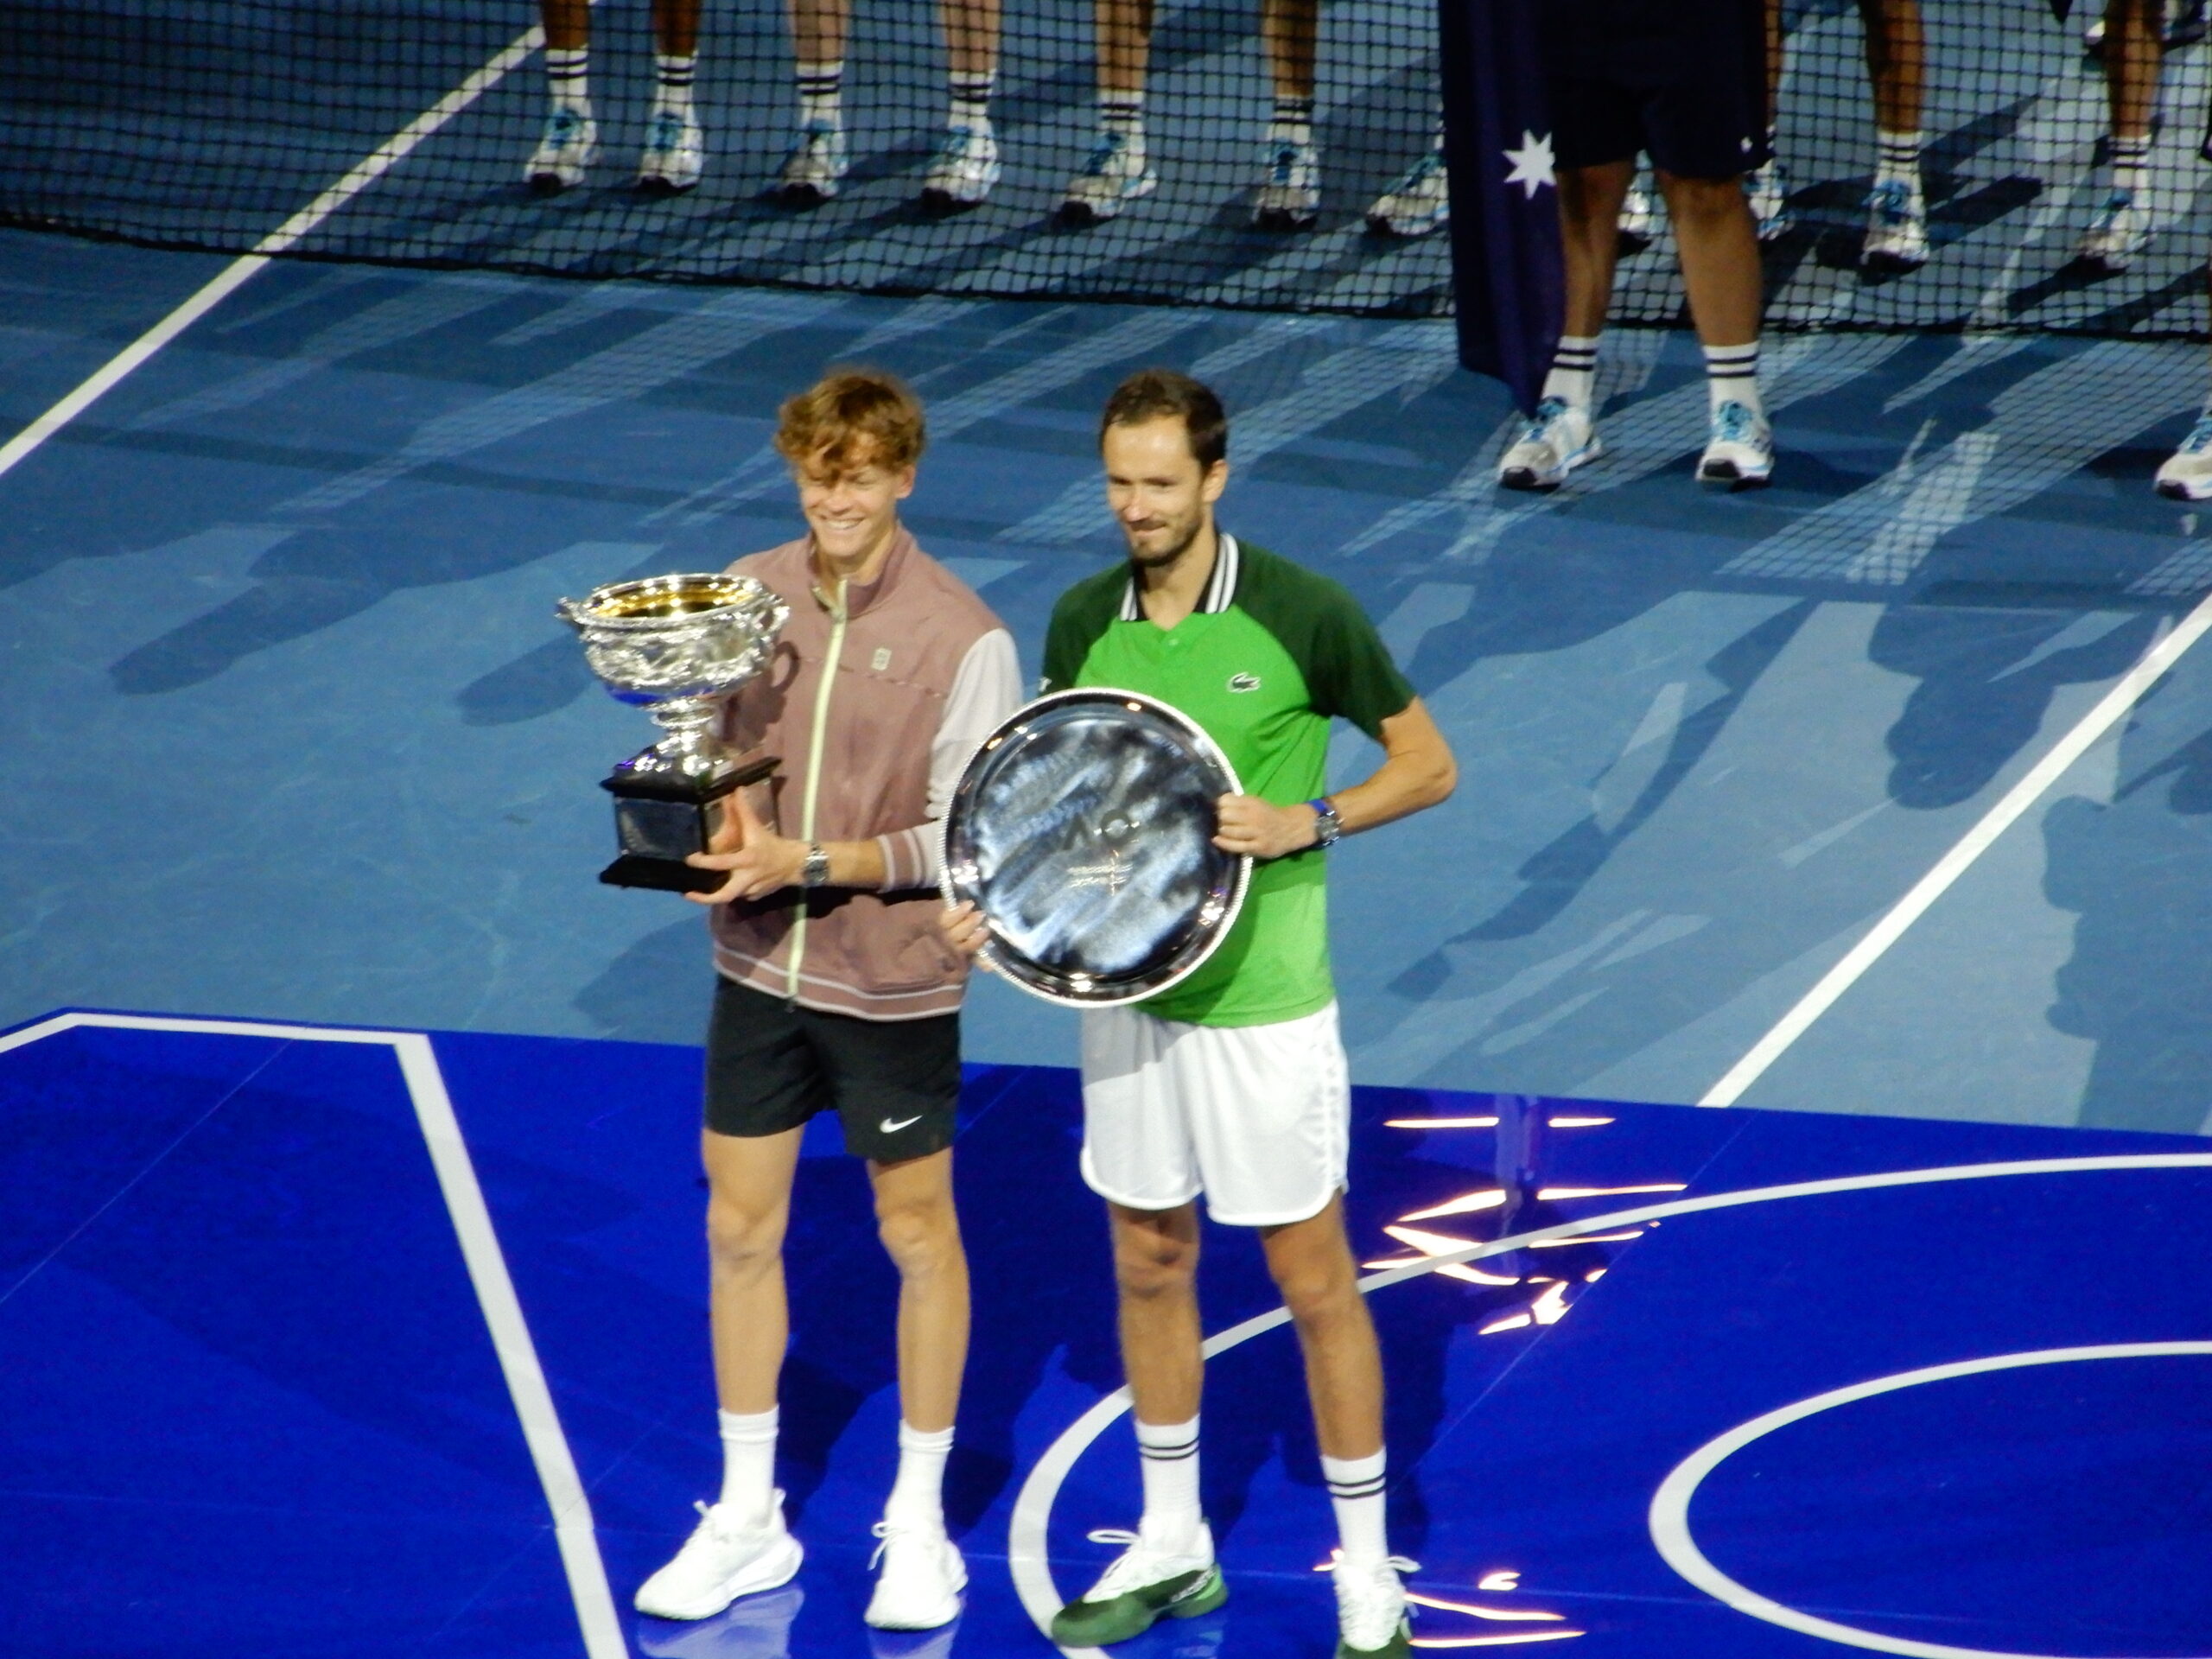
(1144, 1585)
(1371, 1609)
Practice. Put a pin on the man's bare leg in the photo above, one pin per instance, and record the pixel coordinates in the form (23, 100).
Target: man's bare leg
(1897, 208)
(1722, 275)
(966, 164)
(817, 163)
(1563, 436)
(2122, 228)
(570, 142)
(921, 1233)
(1155, 1276)
(1118, 170)
(1289, 194)
(675, 149)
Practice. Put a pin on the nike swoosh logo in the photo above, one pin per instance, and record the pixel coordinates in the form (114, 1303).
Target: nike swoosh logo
(888, 1127)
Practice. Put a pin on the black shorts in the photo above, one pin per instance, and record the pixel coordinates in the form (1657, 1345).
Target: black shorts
(1683, 82)
(770, 1067)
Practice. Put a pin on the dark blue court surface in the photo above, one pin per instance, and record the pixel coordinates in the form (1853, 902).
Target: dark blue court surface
(253, 1406)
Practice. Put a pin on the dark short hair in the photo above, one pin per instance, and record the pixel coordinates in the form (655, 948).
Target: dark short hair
(852, 417)
(1156, 394)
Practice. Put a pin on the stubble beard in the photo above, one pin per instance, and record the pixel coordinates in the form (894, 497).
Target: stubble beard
(1154, 562)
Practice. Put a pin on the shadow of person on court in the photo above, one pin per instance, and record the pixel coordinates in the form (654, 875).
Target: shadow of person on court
(2139, 874)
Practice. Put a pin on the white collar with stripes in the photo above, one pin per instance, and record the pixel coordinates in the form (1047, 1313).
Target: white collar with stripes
(1221, 586)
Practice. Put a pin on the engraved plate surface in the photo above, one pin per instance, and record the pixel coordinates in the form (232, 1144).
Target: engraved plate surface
(667, 830)
(1082, 830)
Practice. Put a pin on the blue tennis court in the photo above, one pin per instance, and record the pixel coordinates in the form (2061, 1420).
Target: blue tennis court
(352, 1289)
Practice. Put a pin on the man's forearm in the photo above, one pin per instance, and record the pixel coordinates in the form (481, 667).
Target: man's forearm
(1401, 785)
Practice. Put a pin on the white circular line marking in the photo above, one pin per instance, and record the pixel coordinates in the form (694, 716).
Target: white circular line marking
(1670, 1504)
(1026, 1530)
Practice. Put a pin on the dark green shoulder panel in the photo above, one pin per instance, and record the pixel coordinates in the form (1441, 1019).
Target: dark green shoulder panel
(1348, 670)
(1083, 613)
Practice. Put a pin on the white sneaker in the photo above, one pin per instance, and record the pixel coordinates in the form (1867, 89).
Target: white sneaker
(569, 145)
(1114, 174)
(675, 153)
(1740, 453)
(923, 1576)
(1288, 195)
(1557, 440)
(1639, 221)
(1417, 202)
(962, 172)
(1371, 1607)
(813, 166)
(2187, 475)
(2122, 231)
(1896, 228)
(1767, 189)
(722, 1560)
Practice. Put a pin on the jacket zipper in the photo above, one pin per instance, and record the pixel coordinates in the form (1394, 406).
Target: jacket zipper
(816, 741)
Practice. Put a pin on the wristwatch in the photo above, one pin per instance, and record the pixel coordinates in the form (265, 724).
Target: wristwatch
(815, 870)
(1327, 826)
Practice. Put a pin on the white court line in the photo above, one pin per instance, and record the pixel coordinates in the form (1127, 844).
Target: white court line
(1028, 1531)
(367, 172)
(1669, 1516)
(487, 1273)
(2130, 689)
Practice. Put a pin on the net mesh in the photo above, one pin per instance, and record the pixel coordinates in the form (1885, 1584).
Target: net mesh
(206, 125)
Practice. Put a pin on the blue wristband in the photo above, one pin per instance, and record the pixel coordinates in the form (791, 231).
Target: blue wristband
(1327, 826)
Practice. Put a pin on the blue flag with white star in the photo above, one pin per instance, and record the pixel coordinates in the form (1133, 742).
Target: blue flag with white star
(1507, 279)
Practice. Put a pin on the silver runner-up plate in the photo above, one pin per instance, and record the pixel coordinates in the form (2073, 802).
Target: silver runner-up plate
(1083, 830)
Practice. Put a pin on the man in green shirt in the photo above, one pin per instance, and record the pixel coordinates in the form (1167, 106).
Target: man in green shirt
(1233, 1082)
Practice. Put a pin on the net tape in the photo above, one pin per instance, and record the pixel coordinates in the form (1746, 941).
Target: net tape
(204, 123)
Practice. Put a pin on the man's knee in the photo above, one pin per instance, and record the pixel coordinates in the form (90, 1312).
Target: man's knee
(1150, 1262)
(921, 1236)
(743, 1238)
(1317, 1285)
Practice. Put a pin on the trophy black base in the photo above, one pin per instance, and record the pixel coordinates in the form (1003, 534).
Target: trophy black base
(659, 820)
(636, 870)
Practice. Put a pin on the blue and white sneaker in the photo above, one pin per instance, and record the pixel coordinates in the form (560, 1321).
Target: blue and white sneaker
(962, 171)
(2122, 230)
(1558, 439)
(2187, 475)
(675, 153)
(1417, 202)
(1114, 174)
(1767, 189)
(570, 144)
(1740, 452)
(1896, 228)
(1288, 194)
(814, 165)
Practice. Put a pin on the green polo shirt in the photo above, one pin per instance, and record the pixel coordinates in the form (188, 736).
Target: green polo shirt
(1271, 654)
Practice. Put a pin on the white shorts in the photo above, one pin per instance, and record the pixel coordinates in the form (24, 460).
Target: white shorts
(1257, 1118)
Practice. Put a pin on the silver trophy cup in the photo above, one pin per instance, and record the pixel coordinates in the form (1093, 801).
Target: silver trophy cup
(675, 645)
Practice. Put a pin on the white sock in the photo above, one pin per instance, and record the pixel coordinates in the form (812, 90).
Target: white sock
(1355, 1493)
(1898, 155)
(821, 93)
(749, 1462)
(673, 81)
(1168, 1453)
(1293, 120)
(1732, 376)
(1122, 112)
(1574, 368)
(567, 76)
(917, 1496)
(971, 101)
(2130, 160)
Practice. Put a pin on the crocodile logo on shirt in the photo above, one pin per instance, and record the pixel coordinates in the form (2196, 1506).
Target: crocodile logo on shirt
(1241, 680)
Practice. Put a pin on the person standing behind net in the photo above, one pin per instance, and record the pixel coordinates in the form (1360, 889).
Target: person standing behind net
(1119, 170)
(1685, 84)
(675, 150)
(2132, 50)
(965, 165)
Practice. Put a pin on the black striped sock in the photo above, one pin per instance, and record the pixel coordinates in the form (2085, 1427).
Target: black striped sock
(1575, 369)
(1294, 118)
(1121, 112)
(1732, 376)
(971, 99)
(568, 76)
(821, 87)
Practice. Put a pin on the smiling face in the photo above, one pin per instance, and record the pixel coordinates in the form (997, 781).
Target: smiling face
(1160, 494)
(852, 509)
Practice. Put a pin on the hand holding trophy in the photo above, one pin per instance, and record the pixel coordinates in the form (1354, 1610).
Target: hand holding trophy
(675, 645)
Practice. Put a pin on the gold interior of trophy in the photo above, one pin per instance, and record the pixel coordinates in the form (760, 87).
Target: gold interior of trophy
(663, 597)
